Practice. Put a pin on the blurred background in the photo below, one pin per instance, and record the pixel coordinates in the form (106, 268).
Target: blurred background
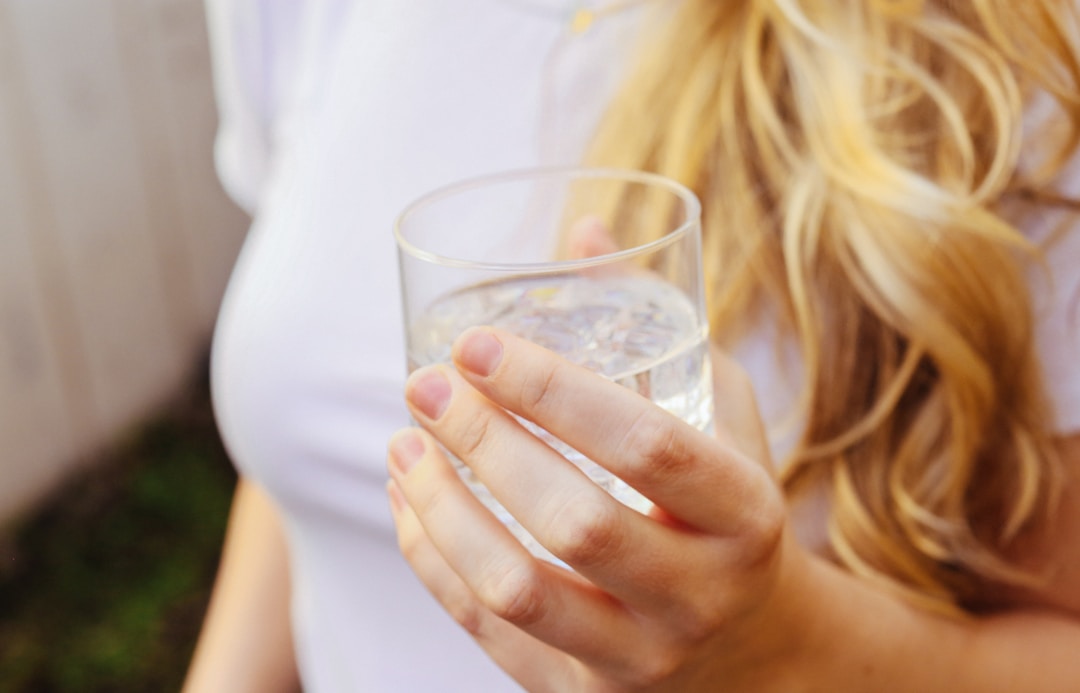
(116, 241)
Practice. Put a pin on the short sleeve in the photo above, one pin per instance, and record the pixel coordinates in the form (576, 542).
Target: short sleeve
(242, 144)
(268, 59)
(1056, 294)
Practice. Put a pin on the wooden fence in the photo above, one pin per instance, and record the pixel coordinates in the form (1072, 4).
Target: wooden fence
(115, 237)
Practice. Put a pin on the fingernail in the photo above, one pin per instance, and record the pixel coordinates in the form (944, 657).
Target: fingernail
(406, 449)
(429, 391)
(479, 351)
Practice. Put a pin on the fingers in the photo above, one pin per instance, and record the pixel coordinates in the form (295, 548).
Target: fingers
(651, 590)
(503, 579)
(503, 642)
(590, 237)
(566, 512)
(710, 486)
(736, 410)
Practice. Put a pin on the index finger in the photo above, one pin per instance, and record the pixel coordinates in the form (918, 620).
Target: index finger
(685, 471)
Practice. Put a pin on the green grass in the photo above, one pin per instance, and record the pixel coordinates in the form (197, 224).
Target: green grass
(104, 589)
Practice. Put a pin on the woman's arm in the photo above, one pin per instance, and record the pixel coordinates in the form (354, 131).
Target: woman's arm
(1032, 648)
(710, 589)
(246, 641)
(1055, 549)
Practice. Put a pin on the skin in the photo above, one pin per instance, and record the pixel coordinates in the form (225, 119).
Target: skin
(710, 591)
(246, 641)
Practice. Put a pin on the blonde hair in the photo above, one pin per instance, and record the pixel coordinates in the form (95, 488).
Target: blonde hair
(854, 158)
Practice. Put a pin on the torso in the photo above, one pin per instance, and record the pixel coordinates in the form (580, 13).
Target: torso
(308, 358)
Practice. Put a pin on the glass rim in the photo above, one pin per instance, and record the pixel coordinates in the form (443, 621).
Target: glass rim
(690, 201)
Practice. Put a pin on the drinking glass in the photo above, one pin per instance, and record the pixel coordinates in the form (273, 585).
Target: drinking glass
(506, 250)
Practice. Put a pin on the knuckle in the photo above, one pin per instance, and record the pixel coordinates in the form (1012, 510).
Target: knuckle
(653, 446)
(705, 619)
(655, 668)
(431, 500)
(514, 594)
(703, 611)
(473, 435)
(587, 532)
(409, 544)
(538, 389)
(412, 541)
(764, 531)
(465, 610)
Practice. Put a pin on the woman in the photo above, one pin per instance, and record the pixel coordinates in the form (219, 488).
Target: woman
(335, 115)
(873, 174)
(864, 172)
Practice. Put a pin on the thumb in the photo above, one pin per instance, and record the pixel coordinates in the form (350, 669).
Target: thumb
(736, 414)
(589, 237)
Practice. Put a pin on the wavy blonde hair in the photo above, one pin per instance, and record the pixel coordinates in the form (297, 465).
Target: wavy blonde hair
(855, 158)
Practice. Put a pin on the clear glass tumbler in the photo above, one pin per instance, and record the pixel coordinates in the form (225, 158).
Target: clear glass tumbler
(515, 251)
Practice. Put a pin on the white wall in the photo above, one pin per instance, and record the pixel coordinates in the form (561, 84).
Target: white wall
(115, 237)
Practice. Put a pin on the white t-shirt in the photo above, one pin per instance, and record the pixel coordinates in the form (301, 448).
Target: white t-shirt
(335, 114)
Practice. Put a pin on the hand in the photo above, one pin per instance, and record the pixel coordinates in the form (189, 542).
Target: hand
(590, 237)
(698, 594)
